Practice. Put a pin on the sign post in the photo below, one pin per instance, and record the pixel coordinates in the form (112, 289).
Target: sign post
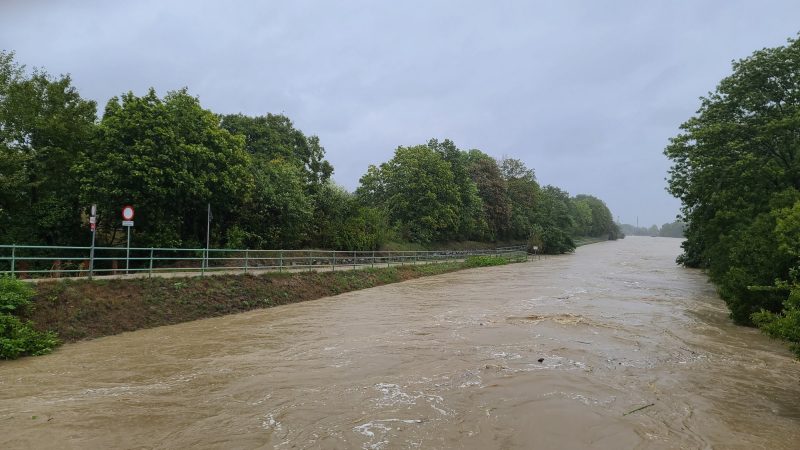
(93, 226)
(208, 240)
(127, 221)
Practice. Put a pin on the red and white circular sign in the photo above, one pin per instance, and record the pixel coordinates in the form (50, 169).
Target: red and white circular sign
(127, 213)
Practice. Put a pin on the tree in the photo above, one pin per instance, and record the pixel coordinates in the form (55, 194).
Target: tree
(493, 191)
(169, 158)
(735, 167)
(274, 136)
(523, 191)
(44, 127)
(417, 190)
(471, 223)
(674, 229)
(553, 222)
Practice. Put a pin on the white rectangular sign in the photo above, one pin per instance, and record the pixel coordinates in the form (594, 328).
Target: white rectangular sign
(127, 223)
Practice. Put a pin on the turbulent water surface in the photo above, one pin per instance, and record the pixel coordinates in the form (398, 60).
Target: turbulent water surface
(554, 353)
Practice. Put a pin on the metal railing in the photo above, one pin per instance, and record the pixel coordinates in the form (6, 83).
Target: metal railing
(33, 261)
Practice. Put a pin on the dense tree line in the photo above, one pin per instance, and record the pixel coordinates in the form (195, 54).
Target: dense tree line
(268, 183)
(674, 229)
(736, 168)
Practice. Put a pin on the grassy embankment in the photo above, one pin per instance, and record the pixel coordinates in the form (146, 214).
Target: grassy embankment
(83, 309)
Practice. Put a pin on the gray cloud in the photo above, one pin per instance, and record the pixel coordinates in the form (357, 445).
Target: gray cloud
(587, 93)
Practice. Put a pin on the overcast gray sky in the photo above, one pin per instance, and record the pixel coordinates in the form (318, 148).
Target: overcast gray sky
(585, 92)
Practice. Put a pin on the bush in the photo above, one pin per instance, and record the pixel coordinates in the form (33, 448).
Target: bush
(15, 295)
(784, 325)
(18, 338)
(486, 261)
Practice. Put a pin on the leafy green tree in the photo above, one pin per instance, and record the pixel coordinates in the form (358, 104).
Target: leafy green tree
(44, 127)
(674, 229)
(274, 136)
(169, 158)
(417, 190)
(279, 211)
(523, 192)
(493, 191)
(582, 214)
(472, 222)
(736, 170)
(602, 222)
(553, 221)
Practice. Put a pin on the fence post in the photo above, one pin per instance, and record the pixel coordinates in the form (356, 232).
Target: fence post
(372, 264)
(280, 261)
(354, 260)
(246, 259)
(333, 266)
(150, 272)
(13, 258)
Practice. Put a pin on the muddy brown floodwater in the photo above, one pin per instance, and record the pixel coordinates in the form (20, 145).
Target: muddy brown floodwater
(553, 353)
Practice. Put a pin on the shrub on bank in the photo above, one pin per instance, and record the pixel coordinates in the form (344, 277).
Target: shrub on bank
(786, 324)
(17, 337)
(486, 261)
(15, 295)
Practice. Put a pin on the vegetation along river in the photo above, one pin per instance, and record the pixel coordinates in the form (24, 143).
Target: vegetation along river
(553, 353)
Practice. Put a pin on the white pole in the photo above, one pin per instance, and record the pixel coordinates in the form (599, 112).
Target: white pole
(128, 252)
(208, 233)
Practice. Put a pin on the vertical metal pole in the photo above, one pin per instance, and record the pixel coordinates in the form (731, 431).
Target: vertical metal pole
(280, 268)
(354, 260)
(208, 237)
(150, 273)
(91, 256)
(128, 252)
(246, 259)
(13, 258)
(333, 266)
(373, 259)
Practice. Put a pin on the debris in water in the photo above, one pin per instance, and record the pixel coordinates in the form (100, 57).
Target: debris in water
(639, 409)
(541, 360)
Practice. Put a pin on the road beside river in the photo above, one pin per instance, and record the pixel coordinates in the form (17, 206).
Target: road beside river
(612, 347)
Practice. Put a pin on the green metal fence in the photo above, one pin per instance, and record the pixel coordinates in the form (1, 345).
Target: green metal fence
(32, 261)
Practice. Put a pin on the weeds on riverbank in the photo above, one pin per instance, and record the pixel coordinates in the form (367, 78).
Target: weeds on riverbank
(486, 261)
(18, 337)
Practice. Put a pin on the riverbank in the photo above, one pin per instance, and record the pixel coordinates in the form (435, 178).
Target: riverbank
(83, 309)
(614, 347)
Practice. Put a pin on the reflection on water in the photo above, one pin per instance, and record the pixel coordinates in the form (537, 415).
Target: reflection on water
(554, 353)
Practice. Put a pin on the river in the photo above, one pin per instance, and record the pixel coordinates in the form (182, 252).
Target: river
(553, 353)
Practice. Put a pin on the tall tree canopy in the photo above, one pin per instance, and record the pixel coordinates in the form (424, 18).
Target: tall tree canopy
(267, 182)
(170, 158)
(418, 191)
(44, 127)
(737, 172)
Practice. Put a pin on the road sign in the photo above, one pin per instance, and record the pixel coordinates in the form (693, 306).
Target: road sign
(92, 226)
(127, 223)
(127, 213)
